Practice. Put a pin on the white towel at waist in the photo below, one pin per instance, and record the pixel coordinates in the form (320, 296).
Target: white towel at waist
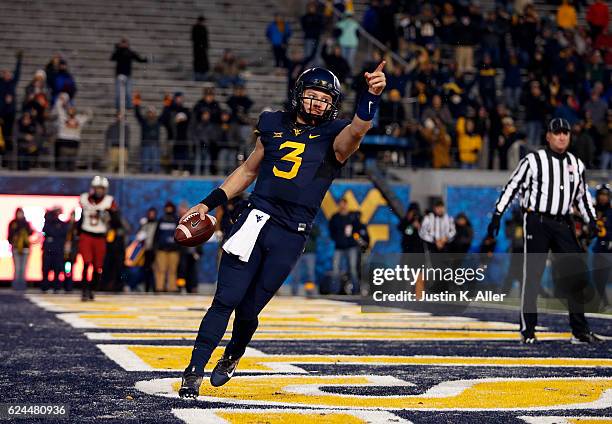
(243, 241)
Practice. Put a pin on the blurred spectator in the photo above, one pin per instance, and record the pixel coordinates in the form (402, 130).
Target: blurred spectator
(486, 82)
(512, 82)
(146, 234)
(598, 18)
(27, 148)
(492, 36)
(312, 27)
(595, 68)
(55, 231)
(398, 79)
(391, 112)
(567, 109)
(113, 276)
(335, 62)
(303, 274)
(566, 16)
(166, 250)
(19, 232)
(387, 26)
(606, 147)
(439, 111)
(469, 142)
(36, 99)
(51, 69)
(8, 84)
(124, 56)
(227, 70)
(176, 117)
(602, 260)
(437, 229)
(582, 145)
(205, 136)
(371, 19)
(448, 23)
(199, 40)
(240, 104)
(409, 226)
(494, 131)
(597, 108)
(69, 127)
(63, 82)
(115, 152)
(150, 131)
(207, 102)
(348, 37)
(229, 143)
(341, 226)
(278, 33)
(508, 136)
(466, 35)
(535, 105)
(434, 133)
(462, 241)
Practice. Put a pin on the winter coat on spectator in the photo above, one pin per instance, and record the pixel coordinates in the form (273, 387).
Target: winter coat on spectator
(64, 83)
(312, 25)
(213, 107)
(566, 16)
(164, 234)
(149, 130)
(123, 56)
(336, 64)
(8, 87)
(19, 232)
(348, 37)
(69, 128)
(240, 107)
(278, 36)
(339, 232)
(55, 231)
(112, 134)
(598, 14)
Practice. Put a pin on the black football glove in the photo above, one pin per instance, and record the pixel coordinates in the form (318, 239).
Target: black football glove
(493, 228)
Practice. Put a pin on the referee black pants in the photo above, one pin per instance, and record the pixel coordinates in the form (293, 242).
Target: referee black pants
(543, 233)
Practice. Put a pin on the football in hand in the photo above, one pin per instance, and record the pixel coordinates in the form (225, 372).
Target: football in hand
(193, 231)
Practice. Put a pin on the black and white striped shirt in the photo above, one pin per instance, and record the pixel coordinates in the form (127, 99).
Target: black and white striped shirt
(437, 227)
(550, 183)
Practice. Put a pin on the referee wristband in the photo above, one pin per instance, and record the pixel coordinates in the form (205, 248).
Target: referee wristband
(217, 197)
(367, 106)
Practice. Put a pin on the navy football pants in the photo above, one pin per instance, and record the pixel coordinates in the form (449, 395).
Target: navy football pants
(246, 287)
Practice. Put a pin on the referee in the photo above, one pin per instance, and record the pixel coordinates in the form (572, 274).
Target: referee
(550, 182)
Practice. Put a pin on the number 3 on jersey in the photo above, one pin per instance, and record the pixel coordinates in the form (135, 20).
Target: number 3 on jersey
(293, 157)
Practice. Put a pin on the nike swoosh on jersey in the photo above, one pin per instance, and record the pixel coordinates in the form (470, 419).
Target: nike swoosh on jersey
(313, 136)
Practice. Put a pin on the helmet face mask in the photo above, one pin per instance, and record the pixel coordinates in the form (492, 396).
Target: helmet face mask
(324, 83)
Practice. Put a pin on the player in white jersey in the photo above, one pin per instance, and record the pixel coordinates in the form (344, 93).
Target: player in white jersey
(98, 209)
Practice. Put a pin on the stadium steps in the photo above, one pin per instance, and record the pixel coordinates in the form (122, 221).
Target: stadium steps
(85, 32)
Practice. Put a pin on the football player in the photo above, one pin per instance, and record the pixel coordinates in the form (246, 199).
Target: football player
(97, 209)
(296, 157)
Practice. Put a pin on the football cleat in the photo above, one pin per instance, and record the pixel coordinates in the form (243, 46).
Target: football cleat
(585, 338)
(224, 370)
(190, 385)
(528, 339)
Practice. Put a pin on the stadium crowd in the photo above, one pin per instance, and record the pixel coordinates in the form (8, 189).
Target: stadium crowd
(466, 88)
